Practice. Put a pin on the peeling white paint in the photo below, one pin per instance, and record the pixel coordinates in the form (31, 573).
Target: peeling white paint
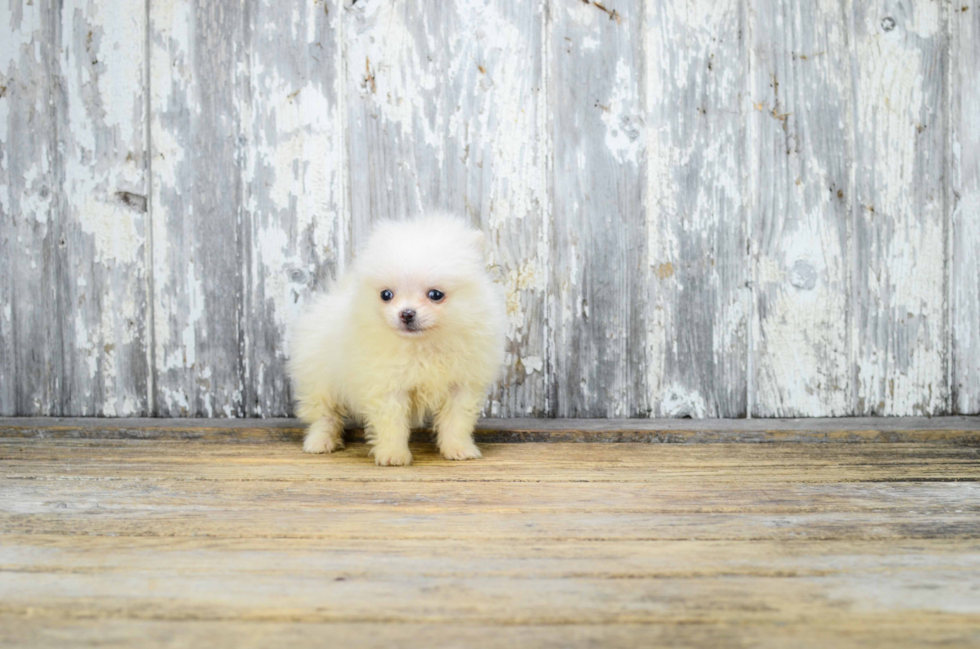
(676, 401)
(624, 124)
(113, 229)
(528, 277)
(380, 63)
(175, 399)
(533, 364)
(37, 203)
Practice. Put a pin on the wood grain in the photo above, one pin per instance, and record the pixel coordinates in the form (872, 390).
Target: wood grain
(576, 544)
(601, 268)
(800, 130)
(964, 184)
(920, 630)
(73, 331)
(102, 141)
(900, 213)
(789, 498)
(697, 220)
(199, 258)
(30, 293)
(494, 595)
(614, 463)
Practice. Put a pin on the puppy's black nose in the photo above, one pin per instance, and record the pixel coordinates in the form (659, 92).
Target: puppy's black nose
(407, 316)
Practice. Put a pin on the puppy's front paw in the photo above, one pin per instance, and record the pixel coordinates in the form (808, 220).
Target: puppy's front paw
(391, 455)
(461, 451)
(320, 438)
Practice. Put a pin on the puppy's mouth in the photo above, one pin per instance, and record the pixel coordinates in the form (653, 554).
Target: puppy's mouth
(411, 329)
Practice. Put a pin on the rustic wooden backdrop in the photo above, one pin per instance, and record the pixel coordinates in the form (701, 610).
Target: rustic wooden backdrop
(714, 208)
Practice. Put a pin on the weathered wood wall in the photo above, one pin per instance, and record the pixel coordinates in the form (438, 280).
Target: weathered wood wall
(706, 208)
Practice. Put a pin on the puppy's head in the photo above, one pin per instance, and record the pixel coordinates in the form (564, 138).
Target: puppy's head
(423, 276)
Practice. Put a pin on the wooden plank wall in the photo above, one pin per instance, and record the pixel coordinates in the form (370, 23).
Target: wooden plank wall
(709, 209)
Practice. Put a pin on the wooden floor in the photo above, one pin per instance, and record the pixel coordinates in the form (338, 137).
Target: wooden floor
(236, 539)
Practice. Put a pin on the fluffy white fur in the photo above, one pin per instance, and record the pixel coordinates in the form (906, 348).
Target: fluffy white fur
(353, 356)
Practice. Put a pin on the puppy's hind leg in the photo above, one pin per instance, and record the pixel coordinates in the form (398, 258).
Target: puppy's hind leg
(455, 422)
(325, 434)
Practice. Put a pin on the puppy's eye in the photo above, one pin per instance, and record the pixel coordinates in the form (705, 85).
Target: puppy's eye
(386, 295)
(436, 295)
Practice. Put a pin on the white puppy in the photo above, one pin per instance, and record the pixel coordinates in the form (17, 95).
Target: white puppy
(414, 329)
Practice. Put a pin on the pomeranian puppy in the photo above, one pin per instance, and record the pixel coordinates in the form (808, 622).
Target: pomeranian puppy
(414, 330)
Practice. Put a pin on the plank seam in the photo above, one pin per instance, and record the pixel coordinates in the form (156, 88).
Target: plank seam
(344, 236)
(849, 253)
(245, 225)
(59, 211)
(151, 366)
(547, 217)
(748, 222)
(948, 203)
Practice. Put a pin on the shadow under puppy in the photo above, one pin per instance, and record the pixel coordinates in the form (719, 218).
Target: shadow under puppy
(414, 329)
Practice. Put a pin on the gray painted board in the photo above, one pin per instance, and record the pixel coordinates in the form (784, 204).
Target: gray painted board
(73, 209)
(102, 142)
(32, 274)
(697, 219)
(747, 207)
(900, 216)
(197, 83)
(964, 170)
(801, 134)
(599, 243)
